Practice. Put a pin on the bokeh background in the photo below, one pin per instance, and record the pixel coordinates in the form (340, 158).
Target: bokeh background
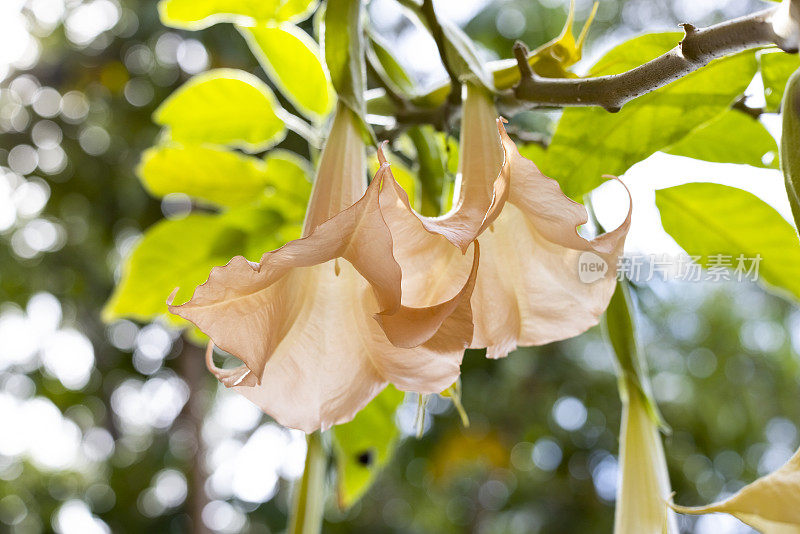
(118, 428)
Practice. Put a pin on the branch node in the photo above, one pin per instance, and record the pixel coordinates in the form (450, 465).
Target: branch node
(521, 53)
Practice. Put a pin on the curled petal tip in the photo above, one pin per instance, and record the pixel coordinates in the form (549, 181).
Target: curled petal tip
(381, 155)
(500, 126)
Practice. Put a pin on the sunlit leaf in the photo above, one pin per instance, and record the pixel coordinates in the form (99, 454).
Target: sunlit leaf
(177, 253)
(296, 10)
(790, 144)
(732, 137)
(392, 71)
(590, 142)
(708, 220)
(226, 107)
(292, 60)
(363, 446)
(207, 173)
(776, 68)
(199, 14)
(463, 55)
(222, 177)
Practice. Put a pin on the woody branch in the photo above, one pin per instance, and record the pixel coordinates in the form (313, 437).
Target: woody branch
(695, 50)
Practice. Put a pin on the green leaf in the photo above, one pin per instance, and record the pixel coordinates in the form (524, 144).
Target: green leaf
(590, 142)
(391, 70)
(199, 14)
(211, 174)
(296, 10)
(732, 137)
(710, 219)
(226, 107)
(776, 67)
(463, 56)
(289, 174)
(790, 144)
(222, 177)
(365, 445)
(177, 253)
(292, 60)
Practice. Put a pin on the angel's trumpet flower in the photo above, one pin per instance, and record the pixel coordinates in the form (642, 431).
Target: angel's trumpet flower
(530, 289)
(319, 323)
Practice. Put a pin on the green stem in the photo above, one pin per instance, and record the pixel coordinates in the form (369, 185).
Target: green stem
(309, 499)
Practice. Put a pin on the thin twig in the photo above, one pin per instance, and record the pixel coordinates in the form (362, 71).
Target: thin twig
(429, 15)
(741, 105)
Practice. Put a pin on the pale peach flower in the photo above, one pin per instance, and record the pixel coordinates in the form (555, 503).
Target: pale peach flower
(321, 324)
(529, 289)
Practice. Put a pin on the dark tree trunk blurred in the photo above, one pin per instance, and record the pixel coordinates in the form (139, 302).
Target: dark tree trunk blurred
(192, 370)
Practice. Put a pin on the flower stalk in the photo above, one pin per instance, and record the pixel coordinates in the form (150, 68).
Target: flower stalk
(309, 499)
(644, 487)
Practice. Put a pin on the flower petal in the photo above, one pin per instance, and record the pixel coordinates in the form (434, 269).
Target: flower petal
(335, 358)
(248, 309)
(530, 290)
(303, 323)
(341, 178)
(442, 327)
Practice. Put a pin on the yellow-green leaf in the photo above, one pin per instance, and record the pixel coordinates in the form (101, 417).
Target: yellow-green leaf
(363, 446)
(590, 142)
(289, 174)
(199, 14)
(225, 178)
(207, 173)
(292, 60)
(733, 137)
(776, 67)
(226, 107)
(717, 222)
(296, 10)
(176, 253)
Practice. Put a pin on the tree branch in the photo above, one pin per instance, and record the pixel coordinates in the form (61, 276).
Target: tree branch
(697, 49)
